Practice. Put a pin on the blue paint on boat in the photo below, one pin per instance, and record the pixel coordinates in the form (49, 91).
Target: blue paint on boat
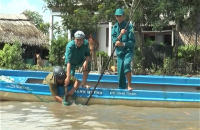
(137, 79)
(22, 77)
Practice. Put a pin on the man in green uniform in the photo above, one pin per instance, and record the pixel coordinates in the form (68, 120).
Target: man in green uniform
(56, 78)
(77, 54)
(124, 41)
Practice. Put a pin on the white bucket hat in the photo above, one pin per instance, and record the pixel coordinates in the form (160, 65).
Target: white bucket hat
(79, 35)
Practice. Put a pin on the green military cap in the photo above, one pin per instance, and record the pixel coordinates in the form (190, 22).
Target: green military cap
(119, 11)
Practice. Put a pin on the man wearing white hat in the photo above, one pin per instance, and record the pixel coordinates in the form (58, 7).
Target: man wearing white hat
(77, 54)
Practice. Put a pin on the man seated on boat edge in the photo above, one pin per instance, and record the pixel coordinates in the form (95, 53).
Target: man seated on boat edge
(77, 54)
(57, 78)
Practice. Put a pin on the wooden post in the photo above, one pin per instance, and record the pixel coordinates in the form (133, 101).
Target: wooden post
(99, 64)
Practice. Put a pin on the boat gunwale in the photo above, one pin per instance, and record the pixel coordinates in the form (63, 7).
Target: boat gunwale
(109, 81)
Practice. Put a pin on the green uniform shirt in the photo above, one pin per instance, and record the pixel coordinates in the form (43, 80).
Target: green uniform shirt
(51, 81)
(127, 38)
(76, 55)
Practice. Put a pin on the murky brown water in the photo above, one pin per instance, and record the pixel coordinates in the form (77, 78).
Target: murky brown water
(54, 116)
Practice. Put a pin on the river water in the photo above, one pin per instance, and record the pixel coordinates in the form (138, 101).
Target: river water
(54, 116)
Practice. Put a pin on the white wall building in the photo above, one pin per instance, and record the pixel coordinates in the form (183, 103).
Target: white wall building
(104, 38)
(104, 34)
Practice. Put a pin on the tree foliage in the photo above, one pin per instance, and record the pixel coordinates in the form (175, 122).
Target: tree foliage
(37, 20)
(184, 14)
(57, 50)
(80, 14)
(34, 16)
(11, 56)
(85, 15)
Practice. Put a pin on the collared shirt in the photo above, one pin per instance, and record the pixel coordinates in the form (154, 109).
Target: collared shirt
(51, 81)
(128, 38)
(76, 55)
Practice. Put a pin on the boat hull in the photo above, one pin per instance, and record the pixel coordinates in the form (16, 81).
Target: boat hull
(9, 96)
(149, 91)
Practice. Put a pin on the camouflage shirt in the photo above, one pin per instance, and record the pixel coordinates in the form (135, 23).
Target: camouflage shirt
(51, 81)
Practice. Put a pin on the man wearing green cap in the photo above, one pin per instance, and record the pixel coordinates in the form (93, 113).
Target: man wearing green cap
(124, 41)
(77, 54)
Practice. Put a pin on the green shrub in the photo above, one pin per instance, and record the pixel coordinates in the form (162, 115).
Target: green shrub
(104, 57)
(35, 68)
(187, 52)
(57, 50)
(11, 56)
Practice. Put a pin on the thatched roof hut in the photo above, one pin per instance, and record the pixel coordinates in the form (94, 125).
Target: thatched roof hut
(17, 27)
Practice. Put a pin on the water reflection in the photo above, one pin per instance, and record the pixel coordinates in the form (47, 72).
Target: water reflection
(48, 116)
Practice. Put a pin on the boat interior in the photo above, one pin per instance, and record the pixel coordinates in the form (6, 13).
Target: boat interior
(114, 84)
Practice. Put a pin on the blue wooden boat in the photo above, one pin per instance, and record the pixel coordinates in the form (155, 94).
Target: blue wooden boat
(149, 91)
